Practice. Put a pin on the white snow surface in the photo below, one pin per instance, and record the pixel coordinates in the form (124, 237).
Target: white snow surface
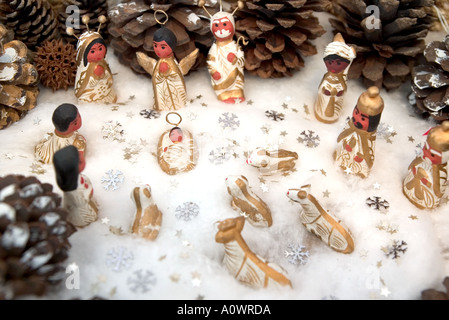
(185, 259)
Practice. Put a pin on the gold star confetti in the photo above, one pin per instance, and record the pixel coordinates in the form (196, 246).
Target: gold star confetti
(286, 173)
(295, 110)
(37, 168)
(379, 264)
(175, 277)
(326, 194)
(235, 155)
(162, 258)
(306, 109)
(200, 297)
(284, 133)
(114, 108)
(245, 154)
(262, 180)
(131, 98)
(413, 217)
(250, 102)
(199, 96)
(265, 129)
(204, 104)
(285, 106)
(117, 231)
(323, 172)
(411, 139)
(113, 292)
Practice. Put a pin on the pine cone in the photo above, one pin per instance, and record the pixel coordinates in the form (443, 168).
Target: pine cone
(431, 81)
(56, 63)
(443, 5)
(432, 294)
(279, 33)
(387, 51)
(133, 24)
(34, 236)
(33, 21)
(91, 8)
(18, 80)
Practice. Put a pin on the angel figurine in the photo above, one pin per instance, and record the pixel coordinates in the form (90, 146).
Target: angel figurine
(176, 151)
(93, 82)
(338, 57)
(67, 120)
(78, 192)
(167, 75)
(357, 141)
(226, 60)
(426, 180)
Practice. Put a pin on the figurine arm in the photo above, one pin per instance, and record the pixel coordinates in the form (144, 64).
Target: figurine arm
(147, 63)
(188, 61)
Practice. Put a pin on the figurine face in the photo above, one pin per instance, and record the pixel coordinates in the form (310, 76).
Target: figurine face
(176, 135)
(336, 65)
(222, 28)
(162, 49)
(360, 120)
(75, 124)
(96, 53)
(433, 155)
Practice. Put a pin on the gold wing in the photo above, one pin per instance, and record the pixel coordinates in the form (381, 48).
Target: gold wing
(146, 62)
(188, 61)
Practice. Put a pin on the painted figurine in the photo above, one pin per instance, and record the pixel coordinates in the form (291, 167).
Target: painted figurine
(356, 144)
(247, 203)
(93, 82)
(177, 151)
(67, 120)
(78, 192)
(338, 57)
(426, 180)
(147, 218)
(244, 265)
(320, 222)
(226, 60)
(271, 162)
(167, 75)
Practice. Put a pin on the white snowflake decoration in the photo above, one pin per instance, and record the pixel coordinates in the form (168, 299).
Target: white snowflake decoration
(309, 139)
(112, 131)
(187, 211)
(296, 254)
(141, 282)
(119, 259)
(230, 121)
(113, 180)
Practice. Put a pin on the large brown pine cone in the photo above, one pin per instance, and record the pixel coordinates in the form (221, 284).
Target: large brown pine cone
(132, 26)
(34, 236)
(387, 52)
(279, 33)
(432, 294)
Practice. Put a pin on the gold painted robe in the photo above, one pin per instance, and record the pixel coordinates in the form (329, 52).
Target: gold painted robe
(47, 147)
(169, 89)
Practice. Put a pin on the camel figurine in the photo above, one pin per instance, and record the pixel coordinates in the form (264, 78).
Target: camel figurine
(147, 218)
(271, 162)
(242, 263)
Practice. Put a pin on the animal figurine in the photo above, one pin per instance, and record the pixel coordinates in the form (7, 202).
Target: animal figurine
(77, 189)
(167, 75)
(320, 222)
(247, 203)
(226, 60)
(147, 218)
(355, 152)
(67, 121)
(245, 265)
(425, 183)
(177, 151)
(271, 162)
(93, 81)
(338, 57)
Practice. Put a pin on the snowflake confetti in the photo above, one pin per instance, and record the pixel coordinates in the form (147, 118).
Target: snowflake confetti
(119, 259)
(309, 139)
(228, 120)
(141, 282)
(296, 254)
(396, 250)
(220, 155)
(377, 203)
(132, 150)
(113, 180)
(150, 114)
(385, 226)
(112, 131)
(187, 211)
(385, 131)
(274, 115)
(36, 168)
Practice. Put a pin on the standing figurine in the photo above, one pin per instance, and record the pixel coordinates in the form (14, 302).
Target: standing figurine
(147, 217)
(426, 180)
(78, 192)
(226, 60)
(176, 151)
(67, 120)
(169, 88)
(355, 152)
(93, 82)
(338, 57)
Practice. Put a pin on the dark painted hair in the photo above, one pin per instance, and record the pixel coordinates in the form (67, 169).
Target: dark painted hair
(66, 163)
(165, 34)
(336, 57)
(63, 116)
(86, 52)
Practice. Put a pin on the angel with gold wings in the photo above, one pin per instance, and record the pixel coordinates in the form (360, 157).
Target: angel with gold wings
(168, 76)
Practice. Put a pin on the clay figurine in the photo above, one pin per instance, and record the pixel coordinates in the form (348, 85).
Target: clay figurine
(338, 57)
(77, 189)
(426, 180)
(169, 89)
(67, 120)
(247, 203)
(147, 218)
(320, 222)
(356, 143)
(226, 60)
(271, 162)
(245, 265)
(93, 82)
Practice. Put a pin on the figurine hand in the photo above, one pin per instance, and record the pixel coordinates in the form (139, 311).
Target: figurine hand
(164, 67)
(216, 75)
(99, 71)
(232, 58)
(358, 159)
